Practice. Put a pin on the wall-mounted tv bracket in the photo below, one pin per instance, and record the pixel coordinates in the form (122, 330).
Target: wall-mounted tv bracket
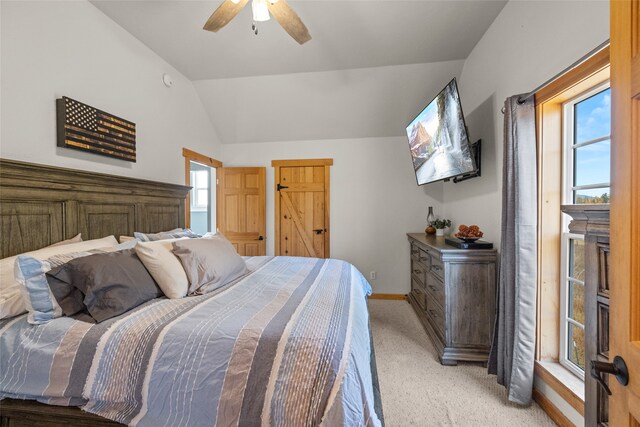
(476, 152)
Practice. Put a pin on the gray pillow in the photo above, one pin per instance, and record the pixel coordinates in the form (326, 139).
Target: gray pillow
(209, 263)
(112, 283)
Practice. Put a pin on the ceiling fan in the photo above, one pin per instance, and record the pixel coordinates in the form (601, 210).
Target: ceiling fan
(280, 10)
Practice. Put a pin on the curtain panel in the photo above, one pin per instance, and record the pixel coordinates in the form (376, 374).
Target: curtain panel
(513, 349)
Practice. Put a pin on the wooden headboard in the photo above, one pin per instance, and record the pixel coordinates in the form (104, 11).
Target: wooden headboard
(41, 205)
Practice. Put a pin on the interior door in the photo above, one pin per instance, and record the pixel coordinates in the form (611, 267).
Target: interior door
(624, 404)
(302, 207)
(241, 208)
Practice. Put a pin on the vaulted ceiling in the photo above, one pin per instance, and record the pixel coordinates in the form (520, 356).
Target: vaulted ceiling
(368, 70)
(346, 34)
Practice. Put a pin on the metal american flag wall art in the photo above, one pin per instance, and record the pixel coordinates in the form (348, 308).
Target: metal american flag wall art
(85, 128)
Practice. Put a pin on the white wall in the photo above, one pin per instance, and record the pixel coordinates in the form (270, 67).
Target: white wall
(50, 49)
(528, 43)
(374, 200)
(344, 104)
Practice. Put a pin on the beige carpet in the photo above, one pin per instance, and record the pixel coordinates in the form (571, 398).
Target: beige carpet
(417, 390)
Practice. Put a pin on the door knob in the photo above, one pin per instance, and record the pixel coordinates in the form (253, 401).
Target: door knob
(260, 238)
(617, 368)
(319, 230)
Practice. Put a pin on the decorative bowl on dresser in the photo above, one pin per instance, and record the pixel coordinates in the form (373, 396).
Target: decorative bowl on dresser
(453, 291)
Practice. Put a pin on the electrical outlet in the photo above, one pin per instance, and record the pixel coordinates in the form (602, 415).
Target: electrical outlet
(373, 275)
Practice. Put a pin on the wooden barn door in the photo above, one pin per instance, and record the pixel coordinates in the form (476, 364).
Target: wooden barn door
(624, 403)
(241, 208)
(302, 207)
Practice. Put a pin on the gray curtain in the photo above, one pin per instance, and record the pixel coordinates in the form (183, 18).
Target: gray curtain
(513, 348)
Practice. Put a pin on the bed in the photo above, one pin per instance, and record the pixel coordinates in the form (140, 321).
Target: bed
(287, 343)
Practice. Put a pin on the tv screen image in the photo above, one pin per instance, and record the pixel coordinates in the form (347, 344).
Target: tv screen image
(438, 139)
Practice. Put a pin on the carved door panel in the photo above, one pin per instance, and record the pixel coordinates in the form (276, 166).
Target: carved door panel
(30, 226)
(241, 194)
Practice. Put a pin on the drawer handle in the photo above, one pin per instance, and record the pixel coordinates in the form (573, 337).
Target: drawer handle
(414, 252)
(436, 267)
(424, 259)
(417, 271)
(433, 313)
(433, 288)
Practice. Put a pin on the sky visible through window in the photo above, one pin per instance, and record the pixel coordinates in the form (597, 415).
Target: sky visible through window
(592, 162)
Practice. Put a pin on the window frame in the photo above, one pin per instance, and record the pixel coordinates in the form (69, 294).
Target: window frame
(189, 156)
(568, 189)
(565, 319)
(549, 132)
(196, 206)
(568, 125)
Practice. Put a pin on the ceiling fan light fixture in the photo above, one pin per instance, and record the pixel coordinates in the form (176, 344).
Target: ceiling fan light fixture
(260, 10)
(273, 1)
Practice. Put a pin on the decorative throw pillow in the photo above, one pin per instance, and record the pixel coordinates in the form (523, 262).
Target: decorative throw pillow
(125, 239)
(11, 300)
(164, 266)
(112, 283)
(164, 235)
(39, 301)
(39, 298)
(209, 263)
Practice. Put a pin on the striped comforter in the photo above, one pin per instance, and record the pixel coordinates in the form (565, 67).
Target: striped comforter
(286, 345)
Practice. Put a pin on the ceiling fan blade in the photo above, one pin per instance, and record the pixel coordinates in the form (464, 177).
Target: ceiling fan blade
(289, 20)
(223, 14)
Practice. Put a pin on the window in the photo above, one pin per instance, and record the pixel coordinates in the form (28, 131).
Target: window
(200, 190)
(587, 148)
(200, 174)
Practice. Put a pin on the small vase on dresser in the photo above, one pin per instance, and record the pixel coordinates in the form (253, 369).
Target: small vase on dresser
(453, 292)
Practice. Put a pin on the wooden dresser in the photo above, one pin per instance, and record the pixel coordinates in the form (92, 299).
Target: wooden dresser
(453, 291)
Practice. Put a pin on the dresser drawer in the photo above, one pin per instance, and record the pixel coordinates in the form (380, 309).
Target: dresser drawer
(437, 267)
(418, 271)
(419, 294)
(415, 252)
(435, 313)
(424, 256)
(435, 289)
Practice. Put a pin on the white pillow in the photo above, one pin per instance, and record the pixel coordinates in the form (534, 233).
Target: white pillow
(75, 239)
(165, 268)
(11, 300)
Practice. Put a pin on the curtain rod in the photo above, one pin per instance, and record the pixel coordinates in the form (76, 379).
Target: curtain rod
(526, 96)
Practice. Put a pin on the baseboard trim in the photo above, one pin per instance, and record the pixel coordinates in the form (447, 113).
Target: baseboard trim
(554, 413)
(400, 297)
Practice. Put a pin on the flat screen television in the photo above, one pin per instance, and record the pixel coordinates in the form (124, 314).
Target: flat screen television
(438, 139)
